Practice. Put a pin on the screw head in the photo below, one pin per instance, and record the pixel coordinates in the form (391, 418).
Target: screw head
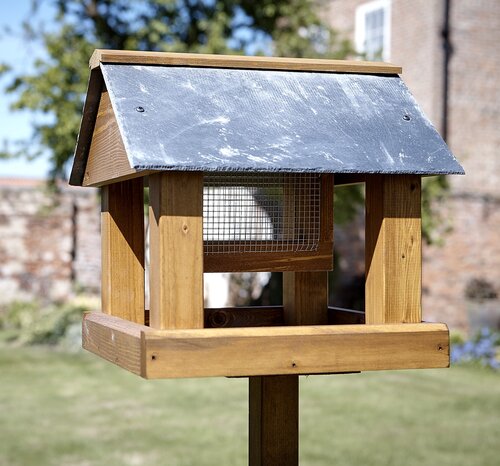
(406, 117)
(139, 109)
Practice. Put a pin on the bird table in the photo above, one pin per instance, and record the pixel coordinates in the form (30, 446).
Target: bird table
(241, 156)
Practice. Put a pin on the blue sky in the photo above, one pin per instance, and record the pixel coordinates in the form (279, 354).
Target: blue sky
(18, 54)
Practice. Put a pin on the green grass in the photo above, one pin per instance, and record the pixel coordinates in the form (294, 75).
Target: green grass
(62, 409)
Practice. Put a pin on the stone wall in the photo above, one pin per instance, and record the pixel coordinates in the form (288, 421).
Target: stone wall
(49, 245)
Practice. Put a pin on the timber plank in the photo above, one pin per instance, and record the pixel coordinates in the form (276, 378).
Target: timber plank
(239, 61)
(258, 351)
(107, 160)
(122, 250)
(114, 339)
(393, 249)
(176, 250)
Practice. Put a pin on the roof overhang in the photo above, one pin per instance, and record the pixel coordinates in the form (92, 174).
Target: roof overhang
(233, 113)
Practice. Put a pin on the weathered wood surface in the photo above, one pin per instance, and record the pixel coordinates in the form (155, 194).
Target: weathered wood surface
(274, 421)
(176, 250)
(238, 61)
(393, 249)
(117, 340)
(89, 116)
(321, 259)
(274, 400)
(122, 250)
(107, 155)
(258, 351)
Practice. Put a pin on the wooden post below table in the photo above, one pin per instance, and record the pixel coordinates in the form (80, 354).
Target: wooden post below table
(274, 400)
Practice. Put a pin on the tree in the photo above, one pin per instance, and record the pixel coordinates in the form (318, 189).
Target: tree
(57, 85)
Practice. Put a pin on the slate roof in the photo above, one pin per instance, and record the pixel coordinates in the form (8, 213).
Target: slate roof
(217, 119)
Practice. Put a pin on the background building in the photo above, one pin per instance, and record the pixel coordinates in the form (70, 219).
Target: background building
(49, 247)
(450, 57)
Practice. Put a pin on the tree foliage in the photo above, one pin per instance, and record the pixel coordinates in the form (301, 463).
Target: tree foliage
(57, 84)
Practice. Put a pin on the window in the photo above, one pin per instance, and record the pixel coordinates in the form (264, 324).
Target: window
(373, 27)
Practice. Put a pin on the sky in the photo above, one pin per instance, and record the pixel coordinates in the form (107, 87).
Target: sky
(16, 52)
(19, 54)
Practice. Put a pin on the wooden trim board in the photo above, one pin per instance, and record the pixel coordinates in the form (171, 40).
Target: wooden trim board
(241, 352)
(239, 61)
(122, 250)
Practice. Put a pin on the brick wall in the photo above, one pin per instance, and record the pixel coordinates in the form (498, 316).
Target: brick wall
(472, 212)
(47, 244)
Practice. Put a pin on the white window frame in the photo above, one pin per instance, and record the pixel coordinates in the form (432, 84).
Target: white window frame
(360, 32)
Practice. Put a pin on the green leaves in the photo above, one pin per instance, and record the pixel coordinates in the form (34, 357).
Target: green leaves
(55, 89)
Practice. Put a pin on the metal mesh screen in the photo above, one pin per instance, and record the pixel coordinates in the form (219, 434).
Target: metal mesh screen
(261, 212)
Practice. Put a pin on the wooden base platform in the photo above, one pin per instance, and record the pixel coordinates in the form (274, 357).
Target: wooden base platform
(258, 351)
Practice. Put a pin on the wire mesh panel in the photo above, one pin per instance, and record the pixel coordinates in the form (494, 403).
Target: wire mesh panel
(261, 212)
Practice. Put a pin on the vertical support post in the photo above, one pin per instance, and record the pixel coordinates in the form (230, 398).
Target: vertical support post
(274, 400)
(122, 250)
(176, 250)
(393, 249)
(274, 421)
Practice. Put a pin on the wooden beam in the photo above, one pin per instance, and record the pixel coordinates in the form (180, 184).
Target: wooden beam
(274, 407)
(268, 316)
(231, 317)
(243, 352)
(116, 340)
(273, 401)
(274, 421)
(122, 250)
(321, 259)
(305, 298)
(393, 249)
(89, 116)
(176, 250)
(238, 61)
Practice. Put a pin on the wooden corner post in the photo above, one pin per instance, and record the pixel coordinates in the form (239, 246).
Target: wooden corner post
(393, 249)
(122, 250)
(176, 250)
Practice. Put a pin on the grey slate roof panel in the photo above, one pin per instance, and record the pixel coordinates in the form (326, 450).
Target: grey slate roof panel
(261, 120)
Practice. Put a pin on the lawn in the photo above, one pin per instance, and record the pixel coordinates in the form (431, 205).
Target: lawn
(74, 409)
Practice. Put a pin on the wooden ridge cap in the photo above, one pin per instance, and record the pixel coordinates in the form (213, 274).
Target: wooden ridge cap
(240, 61)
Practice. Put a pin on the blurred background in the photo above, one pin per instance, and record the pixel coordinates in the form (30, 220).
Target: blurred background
(50, 239)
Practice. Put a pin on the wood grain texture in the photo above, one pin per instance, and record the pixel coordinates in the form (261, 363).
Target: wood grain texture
(274, 421)
(176, 250)
(393, 249)
(321, 259)
(274, 400)
(107, 159)
(305, 298)
(242, 352)
(116, 340)
(89, 116)
(238, 61)
(295, 350)
(122, 250)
